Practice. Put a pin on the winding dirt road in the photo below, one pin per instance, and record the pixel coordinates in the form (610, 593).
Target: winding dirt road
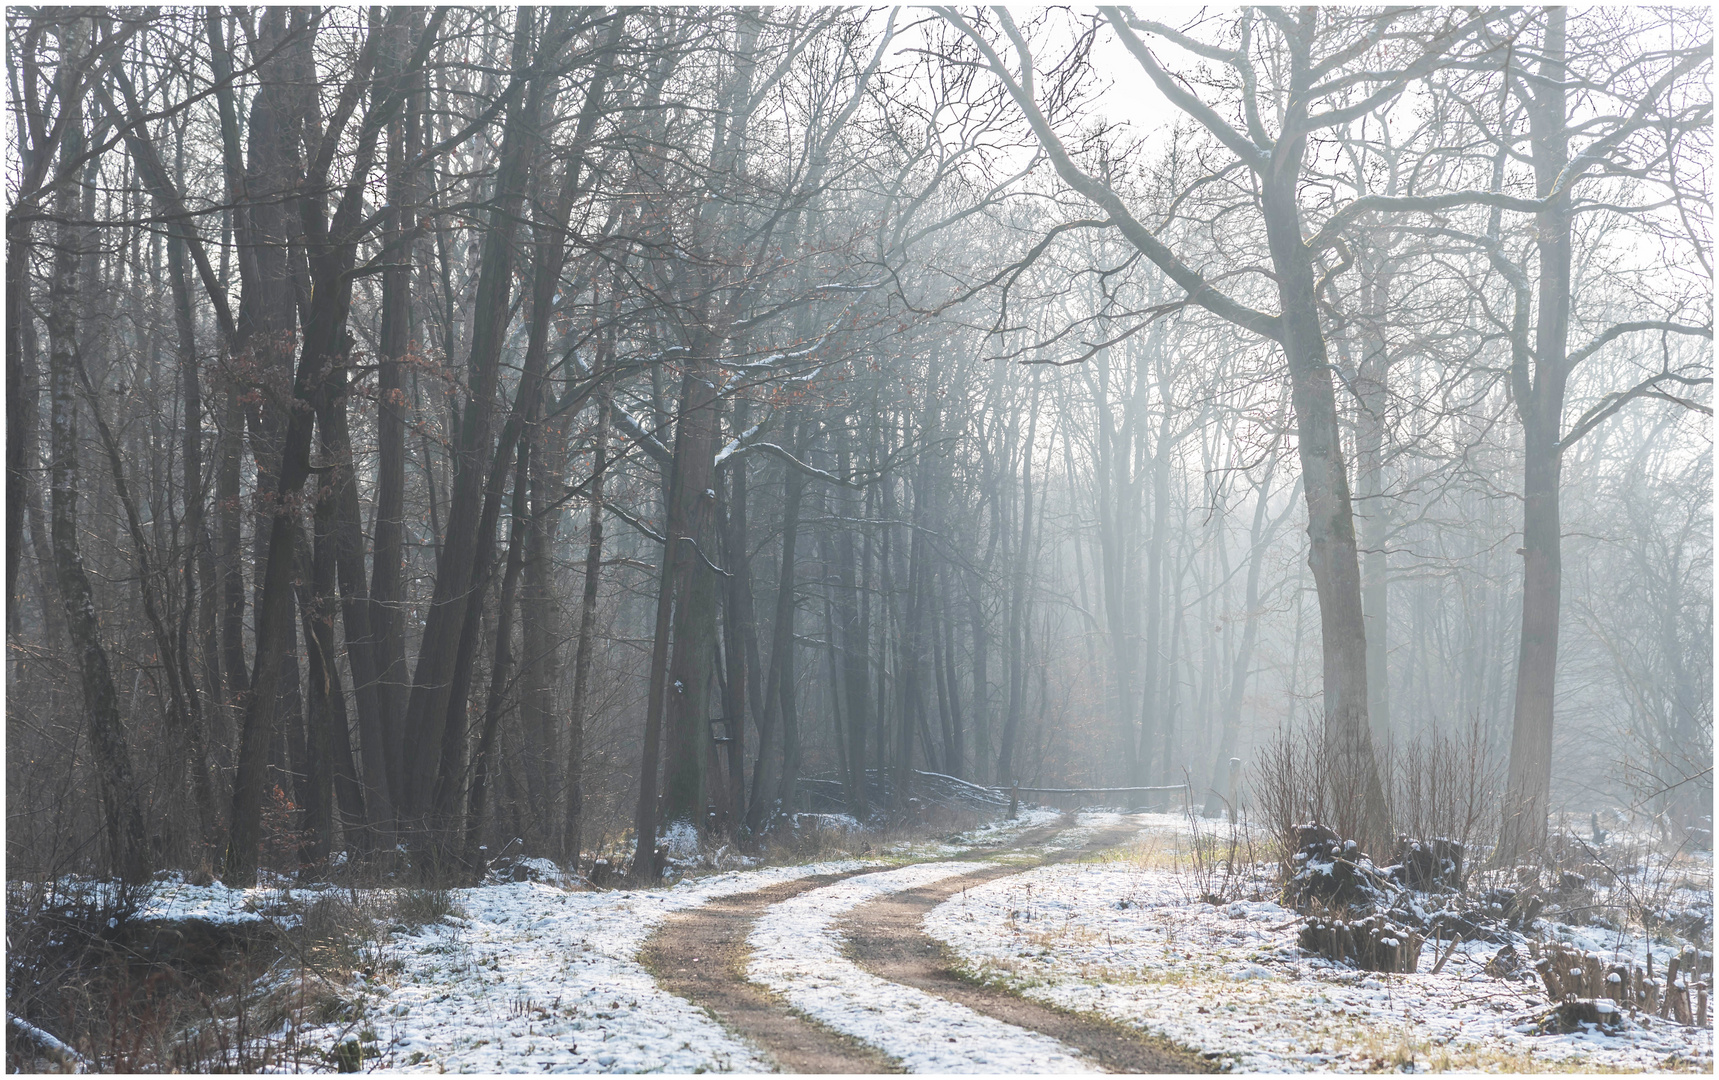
(701, 955)
(884, 938)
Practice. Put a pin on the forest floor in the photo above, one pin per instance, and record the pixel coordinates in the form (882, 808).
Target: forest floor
(1056, 943)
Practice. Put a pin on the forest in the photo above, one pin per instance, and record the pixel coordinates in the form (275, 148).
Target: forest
(361, 363)
(445, 435)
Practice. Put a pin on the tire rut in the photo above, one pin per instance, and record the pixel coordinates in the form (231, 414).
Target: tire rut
(700, 954)
(884, 937)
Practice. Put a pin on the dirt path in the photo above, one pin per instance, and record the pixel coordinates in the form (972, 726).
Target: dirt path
(884, 938)
(701, 954)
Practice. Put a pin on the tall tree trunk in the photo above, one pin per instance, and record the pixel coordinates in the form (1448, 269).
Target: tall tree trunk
(382, 745)
(855, 647)
(435, 711)
(572, 830)
(776, 773)
(267, 318)
(738, 624)
(122, 810)
(1540, 404)
(1330, 515)
(691, 528)
(1018, 599)
(501, 669)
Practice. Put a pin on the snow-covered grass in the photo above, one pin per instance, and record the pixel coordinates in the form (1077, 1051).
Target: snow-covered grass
(540, 979)
(532, 976)
(1120, 939)
(797, 953)
(172, 899)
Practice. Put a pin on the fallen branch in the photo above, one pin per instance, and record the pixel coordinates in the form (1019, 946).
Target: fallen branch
(48, 1044)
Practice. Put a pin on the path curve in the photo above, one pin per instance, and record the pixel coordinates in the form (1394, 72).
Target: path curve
(701, 954)
(884, 937)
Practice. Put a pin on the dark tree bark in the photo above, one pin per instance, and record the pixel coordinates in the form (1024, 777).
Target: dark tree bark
(501, 670)
(739, 625)
(691, 527)
(776, 772)
(435, 713)
(573, 830)
(73, 243)
(318, 383)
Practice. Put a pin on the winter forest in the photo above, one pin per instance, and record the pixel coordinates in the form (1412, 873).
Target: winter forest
(458, 455)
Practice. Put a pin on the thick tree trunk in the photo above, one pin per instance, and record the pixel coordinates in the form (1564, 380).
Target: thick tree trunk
(691, 529)
(1528, 790)
(1356, 785)
(383, 748)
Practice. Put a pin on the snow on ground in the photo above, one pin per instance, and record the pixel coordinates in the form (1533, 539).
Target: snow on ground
(798, 954)
(1125, 942)
(538, 979)
(171, 899)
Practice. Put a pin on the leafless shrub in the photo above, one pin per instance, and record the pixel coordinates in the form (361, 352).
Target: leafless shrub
(1441, 784)
(1289, 790)
(126, 996)
(1217, 864)
(416, 907)
(1446, 785)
